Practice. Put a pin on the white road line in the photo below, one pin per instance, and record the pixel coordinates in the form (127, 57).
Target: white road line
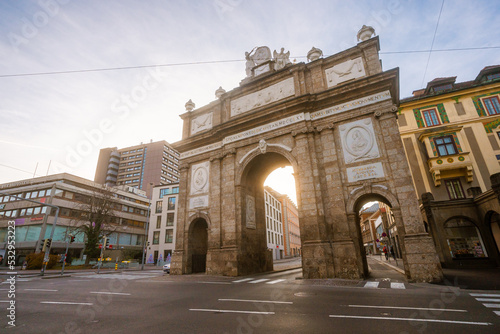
(484, 295)
(228, 311)
(395, 285)
(497, 313)
(412, 319)
(243, 280)
(80, 280)
(275, 281)
(4, 289)
(66, 303)
(493, 300)
(253, 301)
(110, 293)
(371, 285)
(39, 290)
(409, 308)
(4, 301)
(213, 282)
(492, 305)
(259, 280)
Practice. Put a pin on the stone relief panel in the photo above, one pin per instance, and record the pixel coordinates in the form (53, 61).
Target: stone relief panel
(201, 123)
(250, 219)
(358, 141)
(351, 69)
(200, 178)
(262, 97)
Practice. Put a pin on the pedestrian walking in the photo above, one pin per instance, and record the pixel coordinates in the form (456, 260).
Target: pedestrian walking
(386, 253)
(393, 253)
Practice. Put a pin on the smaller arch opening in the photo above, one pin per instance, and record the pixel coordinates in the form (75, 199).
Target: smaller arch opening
(464, 239)
(198, 245)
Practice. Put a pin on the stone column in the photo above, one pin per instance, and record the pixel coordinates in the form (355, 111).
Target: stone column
(229, 263)
(179, 256)
(214, 204)
(316, 252)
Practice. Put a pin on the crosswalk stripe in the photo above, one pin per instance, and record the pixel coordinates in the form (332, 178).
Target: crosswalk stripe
(492, 305)
(497, 313)
(275, 281)
(484, 295)
(395, 285)
(371, 285)
(488, 300)
(259, 280)
(243, 280)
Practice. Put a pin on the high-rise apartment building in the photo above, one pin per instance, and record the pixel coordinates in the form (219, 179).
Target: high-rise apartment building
(138, 166)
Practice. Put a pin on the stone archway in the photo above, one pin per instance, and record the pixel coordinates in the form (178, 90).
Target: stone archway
(340, 134)
(198, 245)
(493, 220)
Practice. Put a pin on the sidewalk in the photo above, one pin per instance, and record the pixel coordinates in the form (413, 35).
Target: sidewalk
(394, 264)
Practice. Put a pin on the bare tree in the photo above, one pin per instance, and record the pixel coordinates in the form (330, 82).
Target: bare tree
(96, 219)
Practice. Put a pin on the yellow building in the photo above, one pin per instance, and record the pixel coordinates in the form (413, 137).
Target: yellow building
(451, 135)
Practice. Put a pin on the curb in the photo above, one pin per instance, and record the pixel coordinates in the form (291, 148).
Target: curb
(399, 270)
(56, 276)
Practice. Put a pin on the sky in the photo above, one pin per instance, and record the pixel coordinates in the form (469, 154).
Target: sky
(52, 123)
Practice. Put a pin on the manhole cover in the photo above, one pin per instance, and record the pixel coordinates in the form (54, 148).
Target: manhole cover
(304, 294)
(385, 313)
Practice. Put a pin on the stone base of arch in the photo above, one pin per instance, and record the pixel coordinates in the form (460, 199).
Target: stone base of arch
(324, 259)
(420, 259)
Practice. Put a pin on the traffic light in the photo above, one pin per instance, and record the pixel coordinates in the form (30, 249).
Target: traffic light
(46, 245)
(71, 238)
(43, 245)
(105, 243)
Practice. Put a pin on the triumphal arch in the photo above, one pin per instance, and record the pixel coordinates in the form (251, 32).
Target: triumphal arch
(333, 119)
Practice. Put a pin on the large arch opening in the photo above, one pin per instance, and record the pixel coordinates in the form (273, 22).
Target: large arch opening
(270, 226)
(198, 245)
(377, 232)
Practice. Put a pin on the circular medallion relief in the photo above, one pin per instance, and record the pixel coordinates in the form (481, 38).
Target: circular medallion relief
(200, 178)
(450, 160)
(358, 141)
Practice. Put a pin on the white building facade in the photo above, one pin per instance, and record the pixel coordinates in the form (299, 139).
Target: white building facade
(162, 224)
(274, 224)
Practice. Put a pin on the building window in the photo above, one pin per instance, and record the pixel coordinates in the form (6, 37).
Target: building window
(454, 188)
(159, 205)
(445, 145)
(169, 236)
(156, 237)
(158, 222)
(492, 105)
(170, 219)
(430, 117)
(171, 203)
(464, 240)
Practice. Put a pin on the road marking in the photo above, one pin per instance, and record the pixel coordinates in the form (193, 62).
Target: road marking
(253, 301)
(4, 289)
(497, 313)
(488, 300)
(492, 305)
(207, 282)
(259, 280)
(410, 308)
(66, 303)
(80, 280)
(4, 301)
(228, 311)
(39, 290)
(371, 285)
(484, 295)
(275, 281)
(412, 319)
(110, 293)
(395, 285)
(243, 280)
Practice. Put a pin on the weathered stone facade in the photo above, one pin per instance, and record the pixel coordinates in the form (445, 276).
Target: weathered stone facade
(340, 136)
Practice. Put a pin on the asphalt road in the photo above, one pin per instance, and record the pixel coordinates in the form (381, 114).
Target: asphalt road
(151, 302)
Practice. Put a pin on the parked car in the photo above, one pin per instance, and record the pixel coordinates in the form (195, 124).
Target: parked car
(166, 268)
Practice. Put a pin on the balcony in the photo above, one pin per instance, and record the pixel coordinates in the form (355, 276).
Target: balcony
(451, 166)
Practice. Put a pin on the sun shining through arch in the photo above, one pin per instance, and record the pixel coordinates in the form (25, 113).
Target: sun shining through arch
(283, 181)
